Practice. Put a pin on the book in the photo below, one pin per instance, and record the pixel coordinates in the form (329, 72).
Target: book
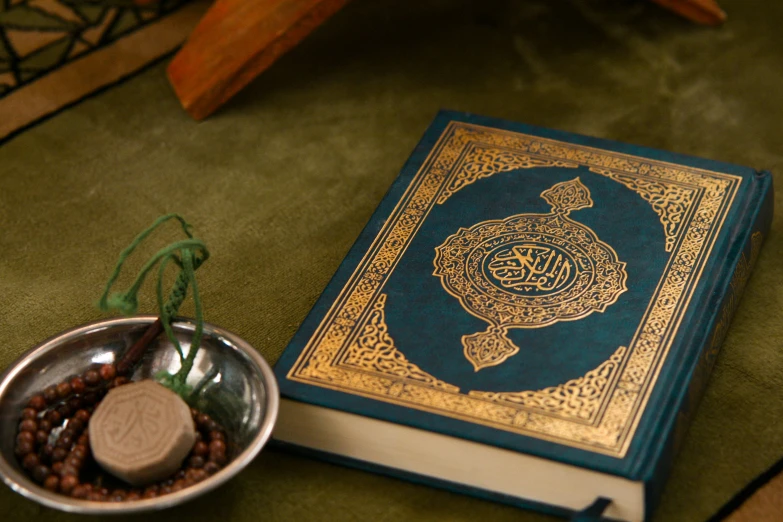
(529, 316)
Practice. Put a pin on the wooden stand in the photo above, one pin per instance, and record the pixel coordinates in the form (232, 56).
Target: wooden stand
(236, 41)
(239, 39)
(705, 12)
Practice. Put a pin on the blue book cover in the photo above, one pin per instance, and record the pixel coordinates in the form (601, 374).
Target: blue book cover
(535, 293)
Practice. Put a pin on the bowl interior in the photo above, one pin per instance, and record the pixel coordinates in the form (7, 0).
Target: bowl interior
(230, 382)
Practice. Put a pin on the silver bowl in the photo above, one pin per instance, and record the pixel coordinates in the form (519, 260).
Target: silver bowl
(235, 386)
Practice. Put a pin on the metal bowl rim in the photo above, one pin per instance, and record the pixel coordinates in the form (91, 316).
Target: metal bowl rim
(24, 486)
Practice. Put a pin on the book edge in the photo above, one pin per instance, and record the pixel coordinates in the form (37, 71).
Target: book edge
(317, 442)
(615, 145)
(755, 218)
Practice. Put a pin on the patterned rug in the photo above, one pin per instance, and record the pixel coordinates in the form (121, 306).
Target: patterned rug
(53, 53)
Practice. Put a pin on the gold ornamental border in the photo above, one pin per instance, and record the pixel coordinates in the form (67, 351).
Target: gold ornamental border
(599, 412)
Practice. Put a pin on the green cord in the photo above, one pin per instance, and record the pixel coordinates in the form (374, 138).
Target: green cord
(192, 254)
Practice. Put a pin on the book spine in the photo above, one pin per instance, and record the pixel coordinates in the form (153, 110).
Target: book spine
(754, 233)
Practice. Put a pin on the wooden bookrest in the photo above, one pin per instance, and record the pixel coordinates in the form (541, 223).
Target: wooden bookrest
(239, 39)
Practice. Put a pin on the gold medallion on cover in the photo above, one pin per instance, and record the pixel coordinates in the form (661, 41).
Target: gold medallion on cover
(529, 271)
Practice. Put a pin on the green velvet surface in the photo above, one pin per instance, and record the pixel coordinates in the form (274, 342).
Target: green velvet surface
(281, 181)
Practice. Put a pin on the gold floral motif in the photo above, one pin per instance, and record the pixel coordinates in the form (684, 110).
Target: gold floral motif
(488, 348)
(670, 201)
(624, 402)
(568, 196)
(482, 162)
(578, 398)
(374, 351)
(529, 271)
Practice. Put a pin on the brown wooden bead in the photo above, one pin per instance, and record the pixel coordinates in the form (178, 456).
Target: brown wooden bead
(75, 425)
(118, 495)
(200, 448)
(25, 436)
(45, 425)
(218, 458)
(54, 417)
(211, 426)
(180, 474)
(69, 470)
(77, 385)
(74, 462)
(91, 378)
(195, 475)
(196, 461)
(104, 492)
(108, 372)
(96, 496)
(165, 490)
(64, 390)
(202, 419)
(217, 446)
(79, 451)
(199, 436)
(149, 493)
(91, 398)
(48, 450)
(59, 454)
(120, 381)
(199, 475)
(23, 448)
(40, 472)
(84, 439)
(211, 467)
(217, 435)
(29, 413)
(57, 467)
(68, 482)
(52, 483)
(41, 437)
(37, 402)
(64, 411)
(83, 415)
(28, 425)
(75, 403)
(79, 491)
(30, 461)
(65, 440)
(178, 485)
(133, 495)
(50, 394)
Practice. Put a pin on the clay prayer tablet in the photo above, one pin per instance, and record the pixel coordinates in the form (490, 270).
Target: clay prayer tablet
(141, 432)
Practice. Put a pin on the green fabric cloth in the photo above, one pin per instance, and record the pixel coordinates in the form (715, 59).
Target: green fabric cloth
(281, 181)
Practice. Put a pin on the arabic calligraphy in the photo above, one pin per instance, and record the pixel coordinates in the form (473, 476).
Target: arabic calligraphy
(531, 268)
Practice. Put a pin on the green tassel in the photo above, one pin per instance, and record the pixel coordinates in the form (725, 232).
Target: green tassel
(188, 254)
